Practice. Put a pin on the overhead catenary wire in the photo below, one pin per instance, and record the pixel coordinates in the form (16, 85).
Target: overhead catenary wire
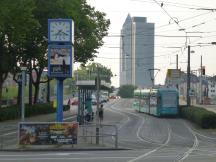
(177, 22)
(177, 4)
(117, 35)
(172, 18)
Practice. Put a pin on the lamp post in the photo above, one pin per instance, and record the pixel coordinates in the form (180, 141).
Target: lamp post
(140, 100)
(97, 115)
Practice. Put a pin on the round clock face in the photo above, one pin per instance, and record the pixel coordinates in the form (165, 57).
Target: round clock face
(60, 31)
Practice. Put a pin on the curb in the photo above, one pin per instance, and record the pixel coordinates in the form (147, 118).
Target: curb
(72, 149)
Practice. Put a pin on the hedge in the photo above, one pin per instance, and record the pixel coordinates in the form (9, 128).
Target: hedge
(13, 112)
(204, 118)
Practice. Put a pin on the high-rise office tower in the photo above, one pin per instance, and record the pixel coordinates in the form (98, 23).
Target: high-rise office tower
(137, 52)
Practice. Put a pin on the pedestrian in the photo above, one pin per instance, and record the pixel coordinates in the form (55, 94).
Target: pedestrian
(101, 112)
(69, 102)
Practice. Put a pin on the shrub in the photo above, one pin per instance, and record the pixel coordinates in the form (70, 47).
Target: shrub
(204, 118)
(13, 112)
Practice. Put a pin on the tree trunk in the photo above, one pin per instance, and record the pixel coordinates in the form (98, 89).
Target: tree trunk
(1, 85)
(36, 92)
(19, 93)
(3, 76)
(37, 84)
(48, 90)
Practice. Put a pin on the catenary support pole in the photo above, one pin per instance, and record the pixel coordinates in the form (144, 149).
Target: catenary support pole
(188, 78)
(201, 71)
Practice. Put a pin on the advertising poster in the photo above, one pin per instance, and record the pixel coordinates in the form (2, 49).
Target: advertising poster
(48, 133)
(60, 61)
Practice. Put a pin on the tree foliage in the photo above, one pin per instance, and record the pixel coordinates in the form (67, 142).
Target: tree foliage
(90, 71)
(16, 21)
(126, 91)
(90, 27)
(24, 28)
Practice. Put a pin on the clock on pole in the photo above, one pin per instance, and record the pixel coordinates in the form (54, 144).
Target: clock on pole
(60, 56)
(61, 31)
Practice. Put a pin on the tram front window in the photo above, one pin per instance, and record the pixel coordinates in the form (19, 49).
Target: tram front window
(169, 100)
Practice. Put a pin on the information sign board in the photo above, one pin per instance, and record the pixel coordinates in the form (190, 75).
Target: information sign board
(60, 60)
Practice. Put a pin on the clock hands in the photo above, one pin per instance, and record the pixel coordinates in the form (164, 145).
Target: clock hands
(61, 34)
(64, 33)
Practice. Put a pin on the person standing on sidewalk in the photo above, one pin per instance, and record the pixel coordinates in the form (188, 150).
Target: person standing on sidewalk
(101, 113)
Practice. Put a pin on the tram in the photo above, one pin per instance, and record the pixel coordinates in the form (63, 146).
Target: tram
(157, 102)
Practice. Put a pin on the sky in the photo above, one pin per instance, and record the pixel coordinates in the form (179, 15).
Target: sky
(177, 25)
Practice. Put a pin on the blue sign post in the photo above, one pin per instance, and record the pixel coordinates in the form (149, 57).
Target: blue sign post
(60, 94)
(60, 56)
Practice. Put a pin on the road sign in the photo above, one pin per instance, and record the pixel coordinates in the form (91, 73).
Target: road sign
(173, 73)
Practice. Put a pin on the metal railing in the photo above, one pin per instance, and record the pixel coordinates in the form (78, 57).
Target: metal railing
(108, 135)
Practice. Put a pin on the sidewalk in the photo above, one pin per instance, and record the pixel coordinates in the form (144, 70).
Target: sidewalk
(86, 134)
(207, 107)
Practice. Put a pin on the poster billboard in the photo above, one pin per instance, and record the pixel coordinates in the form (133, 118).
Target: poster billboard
(48, 133)
(60, 60)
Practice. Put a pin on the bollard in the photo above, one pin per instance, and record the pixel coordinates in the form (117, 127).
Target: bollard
(97, 135)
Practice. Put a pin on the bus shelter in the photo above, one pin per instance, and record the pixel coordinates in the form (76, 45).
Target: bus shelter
(85, 90)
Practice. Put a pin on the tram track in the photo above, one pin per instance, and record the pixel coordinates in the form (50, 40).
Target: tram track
(138, 132)
(154, 150)
(181, 157)
(190, 150)
(123, 113)
(141, 138)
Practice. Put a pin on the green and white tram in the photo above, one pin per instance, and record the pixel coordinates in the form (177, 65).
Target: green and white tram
(158, 102)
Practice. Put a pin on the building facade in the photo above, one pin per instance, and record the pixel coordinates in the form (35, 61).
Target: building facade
(137, 52)
(202, 90)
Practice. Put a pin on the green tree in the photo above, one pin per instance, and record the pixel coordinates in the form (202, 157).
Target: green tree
(89, 72)
(23, 33)
(16, 21)
(126, 91)
(91, 26)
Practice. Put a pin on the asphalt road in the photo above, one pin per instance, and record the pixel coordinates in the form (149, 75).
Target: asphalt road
(147, 138)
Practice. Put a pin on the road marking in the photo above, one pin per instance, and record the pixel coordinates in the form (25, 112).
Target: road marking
(195, 145)
(119, 112)
(66, 158)
(71, 117)
(213, 138)
(33, 155)
(154, 150)
(6, 134)
(148, 140)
